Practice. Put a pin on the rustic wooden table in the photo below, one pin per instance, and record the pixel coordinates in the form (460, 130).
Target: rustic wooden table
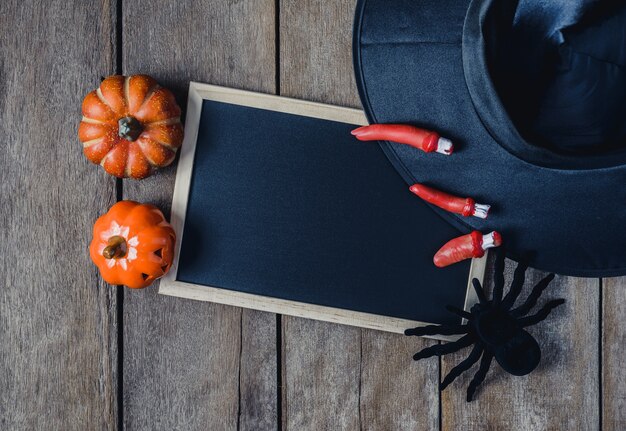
(78, 354)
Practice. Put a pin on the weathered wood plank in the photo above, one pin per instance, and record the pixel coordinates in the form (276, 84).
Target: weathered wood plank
(397, 393)
(258, 372)
(340, 377)
(321, 374)
(316, 52)
(57, 319)
(563, 393)
(613, 357)
(194, 365)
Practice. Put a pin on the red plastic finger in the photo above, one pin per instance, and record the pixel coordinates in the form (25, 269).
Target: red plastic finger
(422, 139)
(464, 206)
(466, 247)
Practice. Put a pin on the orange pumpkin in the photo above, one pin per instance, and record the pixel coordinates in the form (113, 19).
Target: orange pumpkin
(132, 244)
(131, 126)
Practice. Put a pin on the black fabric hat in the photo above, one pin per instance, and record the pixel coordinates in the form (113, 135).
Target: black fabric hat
(533, 95)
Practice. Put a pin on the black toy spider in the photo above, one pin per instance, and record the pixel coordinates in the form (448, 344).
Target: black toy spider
(494, 328)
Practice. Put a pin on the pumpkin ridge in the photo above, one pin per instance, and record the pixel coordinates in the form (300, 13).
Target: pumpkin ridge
(167, 161)
(168, 134)
(93, 120)
(166, 145)
(144, 213)
(168, 122)
(91, 142)
(149, 95)
(119, 151)
(111, 150)
(104, 158)
(126, 92)
(103, 100)
(151, 162)
(165, 239)
(127, 169)
(97, 151)
(89, 131)
(136, 212)
(149, 146)
(135, 159)
(94, 108)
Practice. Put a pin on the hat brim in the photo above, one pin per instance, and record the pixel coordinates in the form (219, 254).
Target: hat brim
(409, 67)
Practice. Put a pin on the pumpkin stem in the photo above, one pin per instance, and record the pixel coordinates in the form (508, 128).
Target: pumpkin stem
(129, 128)
(116, 248)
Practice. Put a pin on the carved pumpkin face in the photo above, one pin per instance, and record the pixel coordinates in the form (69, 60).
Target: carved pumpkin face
(131, 126)
(132, 244)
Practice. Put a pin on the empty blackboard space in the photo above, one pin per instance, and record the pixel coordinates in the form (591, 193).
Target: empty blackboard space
(293, 207)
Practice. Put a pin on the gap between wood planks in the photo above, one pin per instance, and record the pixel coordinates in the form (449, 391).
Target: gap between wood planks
(119, 195)
(279, 317)
(600, 347)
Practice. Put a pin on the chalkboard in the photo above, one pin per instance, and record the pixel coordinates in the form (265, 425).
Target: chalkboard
(278, 207)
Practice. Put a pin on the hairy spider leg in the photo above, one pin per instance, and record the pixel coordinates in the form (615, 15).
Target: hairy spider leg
(444, 349)
(498, 278)
(461, 313)
(463, 366)
(420, 331)
(480, 375)
(531, 301)
(480, 293)
(516, 286)
(541, 314)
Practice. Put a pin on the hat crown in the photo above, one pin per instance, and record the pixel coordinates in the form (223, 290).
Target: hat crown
(559, 68)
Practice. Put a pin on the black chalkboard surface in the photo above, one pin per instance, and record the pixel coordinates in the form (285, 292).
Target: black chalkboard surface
(289, 207)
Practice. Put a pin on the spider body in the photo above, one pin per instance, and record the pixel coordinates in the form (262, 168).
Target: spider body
(494, 328)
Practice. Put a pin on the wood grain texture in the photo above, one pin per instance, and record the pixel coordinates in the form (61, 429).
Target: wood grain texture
(562, 393)
(193, 365)
(613, 356)
(258, 391)
(57, 319)
(316, 52)
(321, 375)
(397, 393)
(340, 377)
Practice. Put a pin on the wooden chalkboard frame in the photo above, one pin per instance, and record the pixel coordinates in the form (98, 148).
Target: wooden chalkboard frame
(199, 92)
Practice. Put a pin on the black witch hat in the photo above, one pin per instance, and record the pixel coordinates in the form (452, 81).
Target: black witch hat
(533, 95)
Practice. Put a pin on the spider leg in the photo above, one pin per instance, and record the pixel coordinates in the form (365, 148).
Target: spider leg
(420, 331)
(541, 314)
(480, 293)
(498, 277)
(516, 285)
(533, 297)
(444, 349)
(463, 366)
(480, 375)
(456, 310)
